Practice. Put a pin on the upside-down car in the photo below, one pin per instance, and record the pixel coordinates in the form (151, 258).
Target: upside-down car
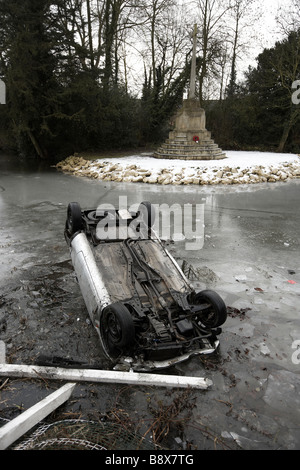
(146, 312)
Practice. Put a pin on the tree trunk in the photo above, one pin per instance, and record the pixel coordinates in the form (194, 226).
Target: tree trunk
(286, 130)
(284, 138)
(41, 153)
(232, 83)
(88, 9)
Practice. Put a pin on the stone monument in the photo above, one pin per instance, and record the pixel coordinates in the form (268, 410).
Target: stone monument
(190, 140)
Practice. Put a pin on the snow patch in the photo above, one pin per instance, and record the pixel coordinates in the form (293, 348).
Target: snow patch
(237, 168)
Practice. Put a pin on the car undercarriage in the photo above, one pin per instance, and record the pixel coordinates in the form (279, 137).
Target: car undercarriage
(146, 312)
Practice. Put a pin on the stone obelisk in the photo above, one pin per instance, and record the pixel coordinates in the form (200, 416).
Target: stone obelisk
(190, 140)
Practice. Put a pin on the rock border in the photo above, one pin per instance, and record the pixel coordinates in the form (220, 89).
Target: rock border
(117, 172)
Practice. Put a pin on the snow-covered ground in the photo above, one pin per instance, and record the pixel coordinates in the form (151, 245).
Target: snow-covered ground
(238, 167)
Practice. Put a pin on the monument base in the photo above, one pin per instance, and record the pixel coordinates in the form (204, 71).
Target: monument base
(190, 140)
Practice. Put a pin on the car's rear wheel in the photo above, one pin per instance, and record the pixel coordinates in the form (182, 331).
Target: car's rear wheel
(116, 329)
(215, 314)
(74, 218)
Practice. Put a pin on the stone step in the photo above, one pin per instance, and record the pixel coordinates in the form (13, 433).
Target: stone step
(195, 152)
(189, 148)
(181, 151)
(218, 156)
(189, 137)
(181, 147)
(188, 143)
(202, 156)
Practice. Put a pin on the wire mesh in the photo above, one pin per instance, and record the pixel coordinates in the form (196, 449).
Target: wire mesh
(84, 435)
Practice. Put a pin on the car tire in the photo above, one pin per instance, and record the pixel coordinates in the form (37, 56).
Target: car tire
(74, 218)
(216, 313)
(116, 329)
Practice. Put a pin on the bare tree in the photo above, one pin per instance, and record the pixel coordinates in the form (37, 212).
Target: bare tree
(112, 36)
(244, 13)
(156, 15)
(288, 16)
(97, 31)
(223, 61)
(211, 15)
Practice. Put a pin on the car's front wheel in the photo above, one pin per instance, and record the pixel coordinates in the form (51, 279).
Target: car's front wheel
(215, 312)
(116, 329)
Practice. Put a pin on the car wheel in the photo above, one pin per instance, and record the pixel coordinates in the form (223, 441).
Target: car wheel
(117, 329)
(74, 218)
(216, 312)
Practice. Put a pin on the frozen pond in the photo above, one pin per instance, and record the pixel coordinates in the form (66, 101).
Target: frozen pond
(249, 255)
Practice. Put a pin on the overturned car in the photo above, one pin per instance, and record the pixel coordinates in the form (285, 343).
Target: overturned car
(146, 312)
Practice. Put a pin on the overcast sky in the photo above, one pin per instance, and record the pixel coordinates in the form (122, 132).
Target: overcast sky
(271, 8)
(267, 33)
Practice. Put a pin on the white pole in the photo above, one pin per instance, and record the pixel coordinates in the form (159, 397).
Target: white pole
(13, 430)
(105, 376)
(2, 352)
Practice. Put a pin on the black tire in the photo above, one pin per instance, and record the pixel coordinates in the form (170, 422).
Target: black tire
(216, 312)
(116, 329)
(147, 211)
(74, 218)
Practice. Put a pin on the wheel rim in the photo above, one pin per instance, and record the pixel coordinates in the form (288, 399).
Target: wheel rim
(114, 329)
(215, 312)
(209, 318)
